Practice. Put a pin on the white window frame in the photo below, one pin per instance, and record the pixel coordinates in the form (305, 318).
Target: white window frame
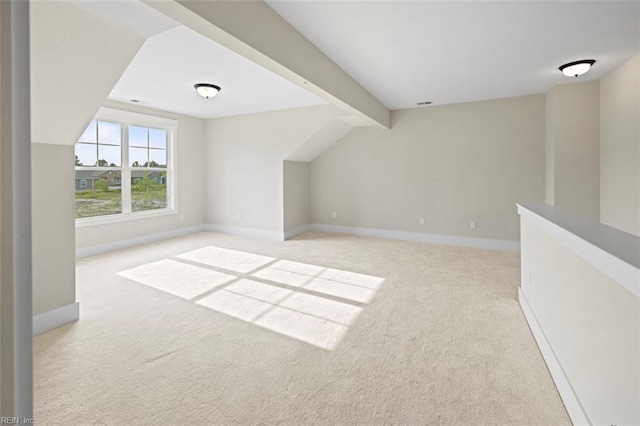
(83, 183)
(126, 119)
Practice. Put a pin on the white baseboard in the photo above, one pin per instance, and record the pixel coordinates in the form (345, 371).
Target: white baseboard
(283, 236)
(368, 232)
(55, 318)
(246, 232)
(296, 231)
(569, 397)
(419, 236)
(132, 242)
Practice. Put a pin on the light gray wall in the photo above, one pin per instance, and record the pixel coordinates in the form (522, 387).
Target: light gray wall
(244, 172)
(590, 322)
(296, 194)
(190, 193)
(573, 124)
(449, 165)
(54, 277)
(620, 147)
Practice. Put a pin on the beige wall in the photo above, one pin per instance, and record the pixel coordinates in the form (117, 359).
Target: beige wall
(190, 191)
(244, 172)
(449, 164)
(591, 323)
(53, 226)
(620, 147)
(296, 194)
(573, 136)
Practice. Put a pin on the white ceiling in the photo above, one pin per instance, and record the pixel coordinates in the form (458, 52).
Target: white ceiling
(167, 66)
(404, 52)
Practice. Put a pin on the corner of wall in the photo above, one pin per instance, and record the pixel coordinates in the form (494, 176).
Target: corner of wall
(296, 196)
(549, 195)
(572, 148)
(620, 147)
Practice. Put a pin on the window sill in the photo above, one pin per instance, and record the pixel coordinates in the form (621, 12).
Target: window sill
(122, 217)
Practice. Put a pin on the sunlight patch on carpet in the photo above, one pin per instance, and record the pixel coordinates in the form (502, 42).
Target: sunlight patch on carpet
(177, 278)
(283, 277)
(316, 331)
(232, 260)
(290, 298)
(311, 319)
(347, 285)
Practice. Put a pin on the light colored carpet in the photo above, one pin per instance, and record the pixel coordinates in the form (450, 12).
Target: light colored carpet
(322, 329)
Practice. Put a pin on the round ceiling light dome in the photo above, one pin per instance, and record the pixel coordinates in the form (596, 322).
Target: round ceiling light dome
(207, 90)
(577, 68)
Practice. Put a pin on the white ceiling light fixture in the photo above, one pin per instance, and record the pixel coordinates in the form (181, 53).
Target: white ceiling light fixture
(207, 90)
(577, 68)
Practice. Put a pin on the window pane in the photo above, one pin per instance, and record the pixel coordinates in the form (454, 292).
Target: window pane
(109, 133)
(148, 190)
(89, 134)
(98, 193)
(104, 146)
(138, 157)
(86, 154)
(109, 156)
(157, 138)
(138, 136)
(157, 158)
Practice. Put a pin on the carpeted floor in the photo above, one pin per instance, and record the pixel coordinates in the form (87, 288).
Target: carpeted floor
(322, 329)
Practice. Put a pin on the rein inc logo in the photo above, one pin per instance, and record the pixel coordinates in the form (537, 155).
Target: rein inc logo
(16, 421)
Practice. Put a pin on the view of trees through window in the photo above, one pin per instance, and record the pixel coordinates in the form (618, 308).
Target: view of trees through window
(120, 169)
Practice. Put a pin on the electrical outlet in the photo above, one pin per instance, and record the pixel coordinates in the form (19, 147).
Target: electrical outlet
(238, 216)
(334, 215)
(422, 221)
(472, 224)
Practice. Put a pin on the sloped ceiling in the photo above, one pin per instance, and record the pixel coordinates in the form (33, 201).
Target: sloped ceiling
(76, 59)
(405, 52)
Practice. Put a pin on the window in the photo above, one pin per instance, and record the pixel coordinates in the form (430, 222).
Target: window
(124, 166)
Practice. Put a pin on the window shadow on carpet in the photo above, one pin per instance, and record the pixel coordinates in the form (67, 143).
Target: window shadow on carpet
(310, 303)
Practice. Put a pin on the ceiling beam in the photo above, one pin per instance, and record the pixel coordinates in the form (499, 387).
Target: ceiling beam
(253, 30)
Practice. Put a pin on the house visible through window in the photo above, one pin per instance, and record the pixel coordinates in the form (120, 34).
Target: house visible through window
(123, 167)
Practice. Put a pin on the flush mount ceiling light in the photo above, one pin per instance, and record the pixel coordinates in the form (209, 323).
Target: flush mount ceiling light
(577, 68)
(207, 90)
